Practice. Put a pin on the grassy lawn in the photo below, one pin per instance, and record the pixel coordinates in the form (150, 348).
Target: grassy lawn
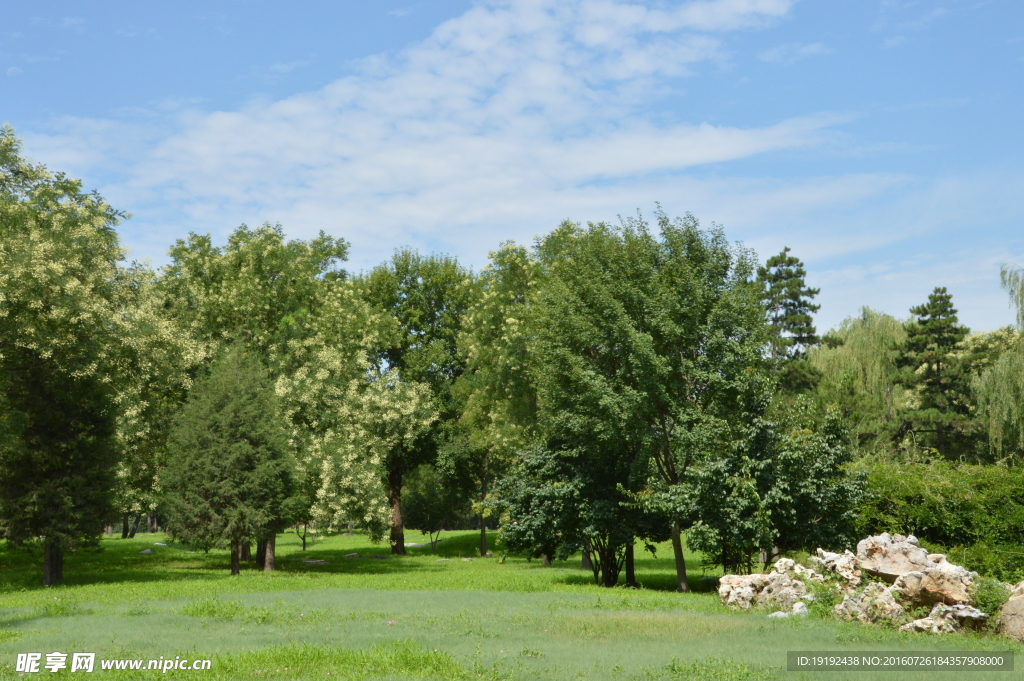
(423, 616)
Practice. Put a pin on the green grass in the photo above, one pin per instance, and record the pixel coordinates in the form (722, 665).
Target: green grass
(422, 616)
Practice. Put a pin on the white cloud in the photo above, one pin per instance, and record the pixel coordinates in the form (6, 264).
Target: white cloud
(506, 107)
(515, 116)
(792, 52)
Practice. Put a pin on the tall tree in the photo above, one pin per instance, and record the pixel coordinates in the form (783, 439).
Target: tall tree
(857, 363)
(787, 301)
(933, 371)
(496, 395)
(228, 476)
(643, 347)
(428, 297)
(59, 323)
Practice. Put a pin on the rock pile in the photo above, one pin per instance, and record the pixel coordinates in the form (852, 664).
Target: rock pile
(915, 578)
(782, 588)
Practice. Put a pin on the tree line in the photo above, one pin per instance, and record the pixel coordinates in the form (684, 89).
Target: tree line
(610, 386)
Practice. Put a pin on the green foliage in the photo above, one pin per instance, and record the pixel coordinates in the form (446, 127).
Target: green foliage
(787, 300)
(642, 345)
(433, 502)
(427, 297)
(934, 373)
(785, 488)
(974, 511)
(858, 369)
(989, 596)
(257, 290)
(228, 474)
(1000, 391)
(60, 331)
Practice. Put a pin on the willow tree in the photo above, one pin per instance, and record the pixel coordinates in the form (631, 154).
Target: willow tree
(1000, 388)
(858, 369)
(59, 323)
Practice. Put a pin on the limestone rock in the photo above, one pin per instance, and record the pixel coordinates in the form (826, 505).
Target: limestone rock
(740, 591)
(944, 583)
(874, 603)
(799, 610)
(843, 564)
(945, 619)
(1011, 620)
(889, 556)
(146, 552)
(930, 625)
(1017, 590)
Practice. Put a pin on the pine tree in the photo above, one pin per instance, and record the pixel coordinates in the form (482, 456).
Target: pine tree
(787, 301)
(932, 369)
(227, 478)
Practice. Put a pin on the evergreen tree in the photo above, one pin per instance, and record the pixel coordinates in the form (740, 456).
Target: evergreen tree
(227, 479)
(787, 301)
(934, 372)
(60, 325)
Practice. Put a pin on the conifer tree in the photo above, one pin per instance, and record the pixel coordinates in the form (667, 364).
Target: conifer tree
(228, 476)
(789, 309)
(932, 369)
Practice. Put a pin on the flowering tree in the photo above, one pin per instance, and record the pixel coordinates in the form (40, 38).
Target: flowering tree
(60, 327)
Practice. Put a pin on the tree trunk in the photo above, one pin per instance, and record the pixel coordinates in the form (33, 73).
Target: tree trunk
(124, 526)
(261, 551)
(395, 499)
(269, 545)
(109, 530)
(53, 562)
(630, 567)
(304, 536)
(682, 584)
(545, 560)
(151, 523)
(586, 563)
(480, 517)
(349, 533)
(236, 557)
(245, 552)
(483, 534)
(941, 436)
(135, 527)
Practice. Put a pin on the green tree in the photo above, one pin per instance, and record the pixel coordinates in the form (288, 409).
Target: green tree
(933, 372)
(428, 297)
(643, 347)
(782, 489)
(228, 476)
(433, 501)
(787, 301)
(859, 376)
(59, 326)
(496, 396)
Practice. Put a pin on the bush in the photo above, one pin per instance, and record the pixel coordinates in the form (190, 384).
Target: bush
(944, 503)
(989, 598)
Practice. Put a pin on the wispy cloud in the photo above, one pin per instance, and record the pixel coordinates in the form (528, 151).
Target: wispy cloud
(792, 52)
(75, 24)
(523, 108)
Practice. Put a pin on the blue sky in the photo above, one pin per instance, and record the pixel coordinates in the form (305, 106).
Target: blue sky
(880, 140)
